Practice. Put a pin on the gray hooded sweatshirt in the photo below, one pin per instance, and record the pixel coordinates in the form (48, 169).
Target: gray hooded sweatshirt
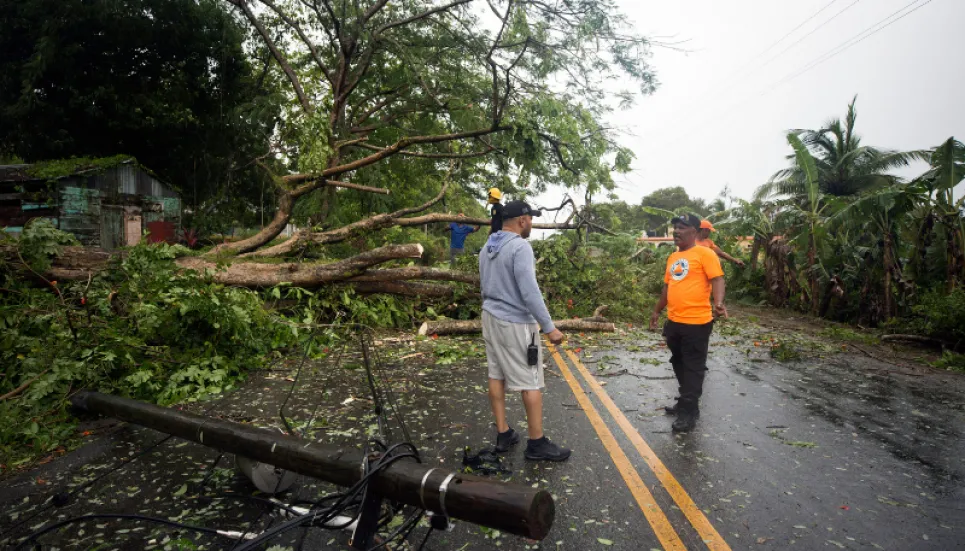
(507, 271)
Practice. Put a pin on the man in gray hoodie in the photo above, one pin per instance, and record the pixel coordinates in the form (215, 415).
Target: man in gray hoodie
(513, 314)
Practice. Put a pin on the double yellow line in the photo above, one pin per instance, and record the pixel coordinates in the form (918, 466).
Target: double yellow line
(654, 514)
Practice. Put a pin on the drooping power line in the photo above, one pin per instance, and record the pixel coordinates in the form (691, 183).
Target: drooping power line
(749, 67)
(881, 25)
(814, 30)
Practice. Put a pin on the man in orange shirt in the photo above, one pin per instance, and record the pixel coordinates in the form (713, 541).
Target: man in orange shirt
(693, 272)
(703, 240)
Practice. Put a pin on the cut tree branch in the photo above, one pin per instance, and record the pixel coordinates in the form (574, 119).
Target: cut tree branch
(306, 275)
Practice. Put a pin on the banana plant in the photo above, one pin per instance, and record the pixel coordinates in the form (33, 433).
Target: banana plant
(812, 212)
(879, 215)
(947, 170)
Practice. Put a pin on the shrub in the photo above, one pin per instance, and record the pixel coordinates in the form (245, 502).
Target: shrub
(142, 329)
(939, 315)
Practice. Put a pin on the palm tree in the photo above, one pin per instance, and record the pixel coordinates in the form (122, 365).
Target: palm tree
(844, 166)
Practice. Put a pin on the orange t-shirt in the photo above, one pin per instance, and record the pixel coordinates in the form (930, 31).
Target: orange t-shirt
(688, 278)
(705, 243)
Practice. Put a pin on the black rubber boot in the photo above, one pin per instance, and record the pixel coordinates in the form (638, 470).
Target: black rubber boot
(686, 420)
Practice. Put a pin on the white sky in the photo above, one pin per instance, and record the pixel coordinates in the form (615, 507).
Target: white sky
(716, 119)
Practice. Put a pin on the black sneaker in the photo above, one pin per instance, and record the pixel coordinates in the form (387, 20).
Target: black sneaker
(544, 450)
(506, 440)
(686, 421)
(671, 410)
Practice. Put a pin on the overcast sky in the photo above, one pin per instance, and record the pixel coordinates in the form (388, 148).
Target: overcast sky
(717, 118)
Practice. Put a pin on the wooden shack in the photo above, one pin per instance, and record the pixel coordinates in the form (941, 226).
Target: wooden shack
(106, 203)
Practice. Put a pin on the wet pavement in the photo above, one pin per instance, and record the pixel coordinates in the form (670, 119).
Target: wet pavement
(830, 449)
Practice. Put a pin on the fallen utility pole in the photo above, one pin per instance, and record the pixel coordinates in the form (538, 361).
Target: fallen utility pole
(511, 508)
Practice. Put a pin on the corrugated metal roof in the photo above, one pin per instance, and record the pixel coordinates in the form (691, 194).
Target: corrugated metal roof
(125, 177)
(14, 173)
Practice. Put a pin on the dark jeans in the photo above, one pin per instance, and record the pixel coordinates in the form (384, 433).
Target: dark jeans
(453, 253)
(688, 348)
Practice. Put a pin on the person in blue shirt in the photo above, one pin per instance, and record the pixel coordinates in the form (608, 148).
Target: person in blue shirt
(457, 245)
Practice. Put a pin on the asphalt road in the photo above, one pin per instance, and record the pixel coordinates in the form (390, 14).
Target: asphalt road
(833, 450)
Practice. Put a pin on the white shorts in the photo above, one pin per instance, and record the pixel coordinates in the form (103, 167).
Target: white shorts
(506, 345)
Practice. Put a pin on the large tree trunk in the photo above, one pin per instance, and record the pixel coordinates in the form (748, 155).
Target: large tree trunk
(755, 252)
(462, 327)
(812, 274)
(889, 301)
(79, 263)
(286, 202)
(775, 263)
(834, 288)
(307, 275)
(416, 272)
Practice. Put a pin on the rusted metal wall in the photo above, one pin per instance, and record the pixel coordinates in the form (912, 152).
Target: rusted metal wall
(101, 210)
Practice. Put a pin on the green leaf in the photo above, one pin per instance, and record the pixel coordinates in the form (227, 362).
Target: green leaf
(604, 541)
(181, 491)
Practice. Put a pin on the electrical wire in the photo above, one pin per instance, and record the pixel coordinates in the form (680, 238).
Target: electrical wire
(883, 23)
(751, 68)
(315, 518)
(117, 468)
(52, 527)
(854, 40)
(814, 30)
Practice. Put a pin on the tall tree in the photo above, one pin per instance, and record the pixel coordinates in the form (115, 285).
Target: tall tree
(167, 81)
(665, 202)
(511, 87)
(844, 166)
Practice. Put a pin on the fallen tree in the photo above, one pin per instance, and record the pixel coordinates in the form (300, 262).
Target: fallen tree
(465, 327)
(435, 83)
(81, 263)
(429, 82)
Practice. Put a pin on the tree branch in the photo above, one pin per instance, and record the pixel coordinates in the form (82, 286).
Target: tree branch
(384, 153)
(304, 38)
(24, 386)
(279, 57)
(419, 16)
(420, 155)
(349, 185)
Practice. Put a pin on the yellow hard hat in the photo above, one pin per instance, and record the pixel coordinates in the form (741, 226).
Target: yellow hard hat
(495, 193)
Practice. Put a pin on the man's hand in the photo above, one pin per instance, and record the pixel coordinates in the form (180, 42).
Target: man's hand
(654, 320)
(739, 262)
(720, 311)
(556, 336)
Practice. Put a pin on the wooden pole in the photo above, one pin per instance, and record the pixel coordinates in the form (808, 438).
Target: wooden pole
(511, 508)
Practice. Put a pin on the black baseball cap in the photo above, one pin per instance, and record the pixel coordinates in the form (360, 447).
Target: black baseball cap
(514, 209)
(691, 220)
